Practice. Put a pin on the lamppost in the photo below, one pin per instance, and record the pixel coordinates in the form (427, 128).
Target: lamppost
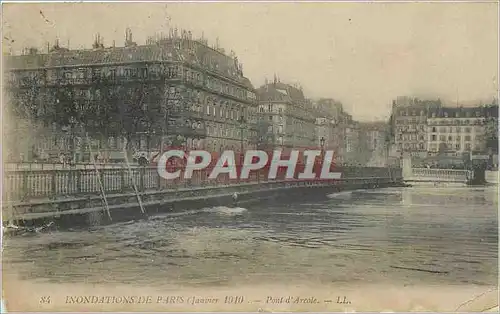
(259, 142)
(172, 100)
(242, 122)
(322, 144)
(72, 128)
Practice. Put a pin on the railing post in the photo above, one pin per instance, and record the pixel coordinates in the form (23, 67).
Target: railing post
(141, 178)
(101, 175)
(25, 190)
(122, 179)
(158, 181)
(53, 191)
(78, 181)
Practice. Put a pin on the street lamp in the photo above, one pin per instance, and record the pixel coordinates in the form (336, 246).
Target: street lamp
(242, 122)
(72, 128)
(259, 142)
(322, 144)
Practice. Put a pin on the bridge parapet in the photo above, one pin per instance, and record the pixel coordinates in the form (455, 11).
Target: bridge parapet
(438, 175)
(32, 185)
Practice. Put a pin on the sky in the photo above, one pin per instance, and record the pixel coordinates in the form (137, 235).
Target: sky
(362, 54)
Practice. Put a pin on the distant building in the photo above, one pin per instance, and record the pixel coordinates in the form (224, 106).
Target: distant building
(172, 89)
(453, 131)
(427, 128)
(351, 141)
(288, 115)
(373, 134)
(330, 126)
(409, 119)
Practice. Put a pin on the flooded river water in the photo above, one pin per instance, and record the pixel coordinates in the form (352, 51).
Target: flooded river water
(421, 236)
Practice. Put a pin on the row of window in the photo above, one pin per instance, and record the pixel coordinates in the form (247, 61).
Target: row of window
(441, 122)
(414, 146)
(222, 130)
(271, 128)
(218, 85)
(468, 114)
(456, 122)
(411, 113)
(154, 71)
(411, 128)
(64, 143)
(270, 108)
(450, 138)
(410, 137)
(450, 130)
(457, 146)
(221, 112)
(279, 119)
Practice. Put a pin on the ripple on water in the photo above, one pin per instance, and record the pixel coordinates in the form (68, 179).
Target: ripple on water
(361, 236)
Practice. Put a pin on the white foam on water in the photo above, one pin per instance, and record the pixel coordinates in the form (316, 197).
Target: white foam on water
(343, 194)
(382, 191)
(229, 211)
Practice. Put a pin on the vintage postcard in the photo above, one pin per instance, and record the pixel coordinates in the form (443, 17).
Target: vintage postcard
(250, 157)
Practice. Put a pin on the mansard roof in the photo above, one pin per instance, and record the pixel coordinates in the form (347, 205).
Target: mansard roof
(280, 92)
(176, 50)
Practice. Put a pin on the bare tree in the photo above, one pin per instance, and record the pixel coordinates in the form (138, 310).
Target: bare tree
(265, 138)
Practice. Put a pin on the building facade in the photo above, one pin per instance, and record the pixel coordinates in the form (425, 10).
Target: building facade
(286, 116)
(331, 126)
(427, 128)
(373, 135)
(409, 119)
(172, 90)
(351, 141)
(454, 131)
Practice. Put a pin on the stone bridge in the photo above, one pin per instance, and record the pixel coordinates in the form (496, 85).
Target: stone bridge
(438, 175)
(37, 195)
(432, 175)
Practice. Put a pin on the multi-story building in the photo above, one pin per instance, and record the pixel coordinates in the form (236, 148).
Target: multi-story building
(409, 118)
(173, 89)
(373, 134)
(351, 140)
(286, 115)
(453, 131)
(330, 126)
